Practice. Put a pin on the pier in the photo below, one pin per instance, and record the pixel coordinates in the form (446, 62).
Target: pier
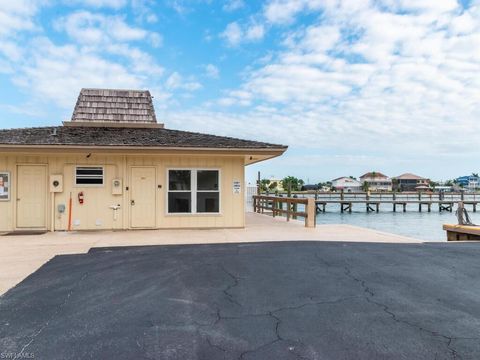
(374, 202)
(374, 205)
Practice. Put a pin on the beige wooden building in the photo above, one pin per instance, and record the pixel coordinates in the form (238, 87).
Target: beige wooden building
(114, 167)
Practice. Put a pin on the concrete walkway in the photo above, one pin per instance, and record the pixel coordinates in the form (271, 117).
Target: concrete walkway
(22, 255)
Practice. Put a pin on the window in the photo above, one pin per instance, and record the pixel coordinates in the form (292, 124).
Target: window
(89, 175)
(193, 191)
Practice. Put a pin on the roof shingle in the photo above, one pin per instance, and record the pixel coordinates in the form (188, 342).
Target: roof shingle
(123, 137)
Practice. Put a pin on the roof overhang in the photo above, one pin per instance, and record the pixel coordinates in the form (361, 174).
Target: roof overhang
(251, 155)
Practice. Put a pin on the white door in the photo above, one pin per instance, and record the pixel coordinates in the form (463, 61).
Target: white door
(143, 197)
(31, 196)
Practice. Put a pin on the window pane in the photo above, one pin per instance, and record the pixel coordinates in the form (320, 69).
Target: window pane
(179, 180)
(208, 202)
(179, 202)
(207, 180)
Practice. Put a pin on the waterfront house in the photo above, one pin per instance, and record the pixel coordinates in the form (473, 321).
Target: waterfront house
(275, 184)
(469, 182)
(410, 182)
(113, 166)
(347, 184)
(376, 181)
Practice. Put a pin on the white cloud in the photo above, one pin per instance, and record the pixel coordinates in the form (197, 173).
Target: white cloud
(234, 34)
(143, 10)
(232, 5)
(17, 15)
(284, 11)
(399, 75)
(11, 50)
(92, 28)
(212, 71)
(176, 81)
(114, 4)
(255, 32)
(58, 72)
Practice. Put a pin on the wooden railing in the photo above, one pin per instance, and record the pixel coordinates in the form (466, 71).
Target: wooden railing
(287, 206)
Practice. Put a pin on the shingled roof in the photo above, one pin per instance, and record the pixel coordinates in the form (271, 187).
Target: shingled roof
(113, 105)
(124, 137)
(120, 118)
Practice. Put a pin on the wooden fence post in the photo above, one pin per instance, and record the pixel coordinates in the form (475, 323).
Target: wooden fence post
(310, 220)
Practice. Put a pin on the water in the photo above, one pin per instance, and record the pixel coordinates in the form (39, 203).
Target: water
(412, 223)
(425, 226)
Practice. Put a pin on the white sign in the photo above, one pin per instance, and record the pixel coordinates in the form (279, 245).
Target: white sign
(4, 186)
(237, 187)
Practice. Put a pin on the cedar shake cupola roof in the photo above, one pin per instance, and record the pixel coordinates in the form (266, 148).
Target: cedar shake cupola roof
(114, 107)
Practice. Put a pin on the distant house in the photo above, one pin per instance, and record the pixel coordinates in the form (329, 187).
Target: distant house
(275, 184)
(410, 182)
(347, 184)
(470, 182)
(377, 181)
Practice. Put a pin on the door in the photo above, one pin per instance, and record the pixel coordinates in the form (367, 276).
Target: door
(143, 198)
(31, 196)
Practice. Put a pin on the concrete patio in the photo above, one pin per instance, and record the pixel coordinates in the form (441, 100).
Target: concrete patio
(22, 255)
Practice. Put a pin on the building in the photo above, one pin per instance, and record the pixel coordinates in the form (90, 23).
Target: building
(469, 182)
(347, 184)
(114, 167)
(275, 184)
(376, 181)
(410, 182)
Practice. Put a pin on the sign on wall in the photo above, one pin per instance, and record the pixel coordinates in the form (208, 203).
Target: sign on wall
(237, 187)
(4, 186)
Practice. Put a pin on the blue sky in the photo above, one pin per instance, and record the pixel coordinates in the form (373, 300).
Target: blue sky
(350, 85)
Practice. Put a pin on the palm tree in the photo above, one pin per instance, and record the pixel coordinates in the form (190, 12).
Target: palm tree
(365, 186)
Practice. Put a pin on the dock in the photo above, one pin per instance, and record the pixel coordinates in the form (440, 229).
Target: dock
(395, 201)
(462, 232)
(374, 205)
(374, 202)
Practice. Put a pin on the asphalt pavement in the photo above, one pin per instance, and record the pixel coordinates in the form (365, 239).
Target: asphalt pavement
(286, 300)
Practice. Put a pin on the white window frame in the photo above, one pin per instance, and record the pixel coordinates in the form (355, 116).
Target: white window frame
(88, 185)
(194, 191)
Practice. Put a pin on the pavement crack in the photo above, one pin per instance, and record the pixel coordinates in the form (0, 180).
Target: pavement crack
(215, 346)
(278, 322)
(45, 325)
(369, 294)
(235, 283)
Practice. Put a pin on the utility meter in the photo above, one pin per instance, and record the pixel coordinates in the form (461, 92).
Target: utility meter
(56, 183)
(117, 187)
(61, 208)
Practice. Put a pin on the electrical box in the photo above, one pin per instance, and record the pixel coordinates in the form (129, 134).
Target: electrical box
(56, 183)
(117, 187)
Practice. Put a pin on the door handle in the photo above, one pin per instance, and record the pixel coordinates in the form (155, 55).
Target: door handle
(132, 202)
(18, 199)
